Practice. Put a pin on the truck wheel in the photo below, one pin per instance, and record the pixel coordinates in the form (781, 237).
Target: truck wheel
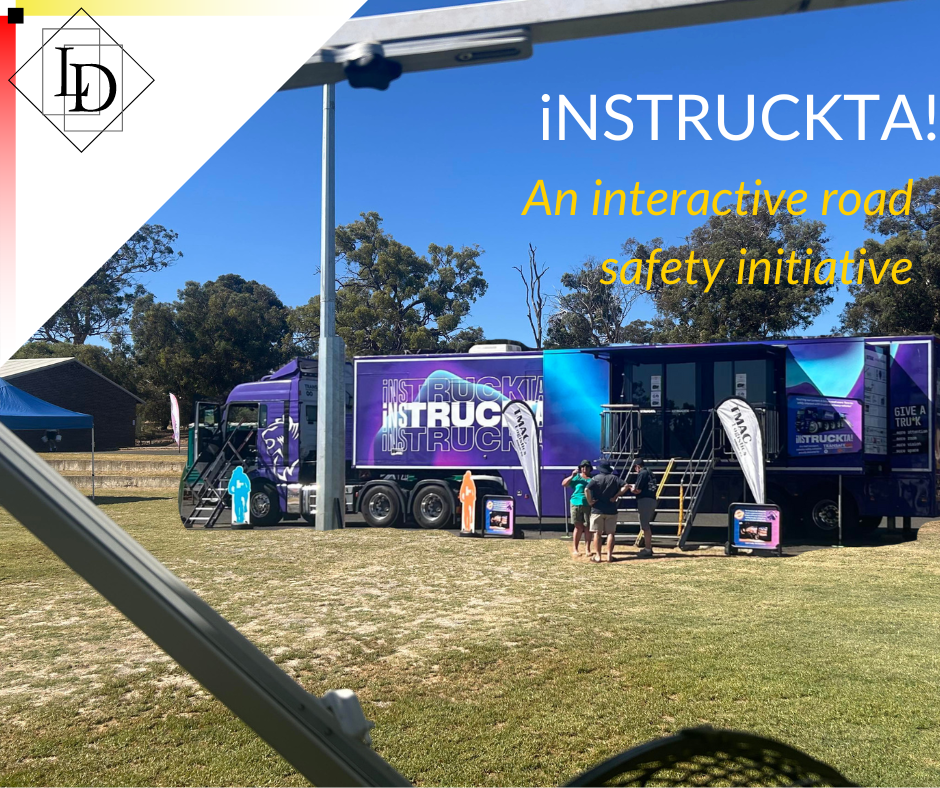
(433, 506)
(380, 506)
(264, 505)
(821, 518)
(823, 515)
(869, 522)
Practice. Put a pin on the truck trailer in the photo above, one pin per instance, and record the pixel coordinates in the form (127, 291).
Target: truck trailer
(840, 416)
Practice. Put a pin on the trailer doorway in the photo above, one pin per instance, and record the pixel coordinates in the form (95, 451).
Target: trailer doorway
(674, 390)
(669, 398)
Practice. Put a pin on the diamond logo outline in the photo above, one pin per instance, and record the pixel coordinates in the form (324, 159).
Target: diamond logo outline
(124, 107)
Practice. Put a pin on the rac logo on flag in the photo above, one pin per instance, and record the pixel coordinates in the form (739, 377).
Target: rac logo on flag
(81, 80)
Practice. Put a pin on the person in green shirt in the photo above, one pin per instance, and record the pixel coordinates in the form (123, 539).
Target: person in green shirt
(580, 509)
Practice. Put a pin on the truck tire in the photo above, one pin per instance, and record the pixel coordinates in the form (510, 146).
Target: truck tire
(821, 514)
(869, 522)
(380, 506)
(433, 506)
(264, 505)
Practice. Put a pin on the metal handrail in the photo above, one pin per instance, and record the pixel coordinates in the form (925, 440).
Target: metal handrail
(621, 431)
(769, 421)
(703, 456)
(203, 481)
(221, 456)
(662, 482)
(624, 420)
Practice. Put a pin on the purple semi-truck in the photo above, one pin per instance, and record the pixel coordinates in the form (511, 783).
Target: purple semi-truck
(849, 414)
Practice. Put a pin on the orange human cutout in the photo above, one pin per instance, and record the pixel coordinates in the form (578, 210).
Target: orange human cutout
(468, 499)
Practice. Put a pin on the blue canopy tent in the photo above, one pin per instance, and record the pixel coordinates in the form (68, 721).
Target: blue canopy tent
(22, 411)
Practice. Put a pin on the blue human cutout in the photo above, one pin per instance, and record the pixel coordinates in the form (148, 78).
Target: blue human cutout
(239, 487)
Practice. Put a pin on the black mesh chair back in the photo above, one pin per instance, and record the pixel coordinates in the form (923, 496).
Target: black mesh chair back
(707, 756)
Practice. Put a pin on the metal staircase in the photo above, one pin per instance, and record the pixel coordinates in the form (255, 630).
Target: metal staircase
(681, 481)
(208, 490)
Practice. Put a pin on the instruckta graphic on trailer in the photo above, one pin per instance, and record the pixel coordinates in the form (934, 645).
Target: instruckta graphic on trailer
(446, 417)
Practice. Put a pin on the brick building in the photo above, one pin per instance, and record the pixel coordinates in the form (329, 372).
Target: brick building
(68, 383)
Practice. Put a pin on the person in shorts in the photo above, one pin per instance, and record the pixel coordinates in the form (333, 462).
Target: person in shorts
(580, 510)
(645, 492)
(603, 492)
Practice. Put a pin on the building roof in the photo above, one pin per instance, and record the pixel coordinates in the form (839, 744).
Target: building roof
(22, 366)
(18, 367)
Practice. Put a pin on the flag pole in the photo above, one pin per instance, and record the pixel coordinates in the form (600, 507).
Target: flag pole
(538, 454)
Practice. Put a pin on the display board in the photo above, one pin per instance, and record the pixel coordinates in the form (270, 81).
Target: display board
(499, 516)
(753, 526)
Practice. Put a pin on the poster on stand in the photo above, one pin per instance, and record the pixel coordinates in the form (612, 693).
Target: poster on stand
(820, 426)
(499, 515)
(753, 526)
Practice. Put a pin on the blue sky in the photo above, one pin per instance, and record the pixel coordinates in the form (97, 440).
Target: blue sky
(450, 157)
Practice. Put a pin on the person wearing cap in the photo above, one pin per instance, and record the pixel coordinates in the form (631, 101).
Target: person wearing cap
(603, 492)
(580, 510)
(645, 505)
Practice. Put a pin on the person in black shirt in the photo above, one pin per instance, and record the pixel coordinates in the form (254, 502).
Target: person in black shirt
(645, 505)
(603, 492)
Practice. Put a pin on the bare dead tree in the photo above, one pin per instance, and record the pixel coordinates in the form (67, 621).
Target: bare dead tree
(535, 301)
(589, 313)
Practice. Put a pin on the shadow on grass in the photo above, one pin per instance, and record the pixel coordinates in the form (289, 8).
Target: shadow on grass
(115, 499)
(879, 538)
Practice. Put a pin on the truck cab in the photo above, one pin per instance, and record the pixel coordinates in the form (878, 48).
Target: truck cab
(268, 428)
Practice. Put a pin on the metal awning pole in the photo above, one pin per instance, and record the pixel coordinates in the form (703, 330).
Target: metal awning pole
(92, 462)
(295, 723)
(331, 383)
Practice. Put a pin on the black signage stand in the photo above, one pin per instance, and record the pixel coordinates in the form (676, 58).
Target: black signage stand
(755, 527)
(499, 517)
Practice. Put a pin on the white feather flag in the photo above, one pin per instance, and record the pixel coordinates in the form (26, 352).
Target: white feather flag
(743, 430)
(524, 432)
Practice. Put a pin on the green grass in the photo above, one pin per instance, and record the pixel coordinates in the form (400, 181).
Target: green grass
(482, 662)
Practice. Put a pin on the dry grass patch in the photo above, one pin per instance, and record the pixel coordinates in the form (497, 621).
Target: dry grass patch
(487, 662)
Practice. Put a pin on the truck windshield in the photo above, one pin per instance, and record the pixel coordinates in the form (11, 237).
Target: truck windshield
(243, 414)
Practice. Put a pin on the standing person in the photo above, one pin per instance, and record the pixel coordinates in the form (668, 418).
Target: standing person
(603, 492)
(580, 510)
(645, 492)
